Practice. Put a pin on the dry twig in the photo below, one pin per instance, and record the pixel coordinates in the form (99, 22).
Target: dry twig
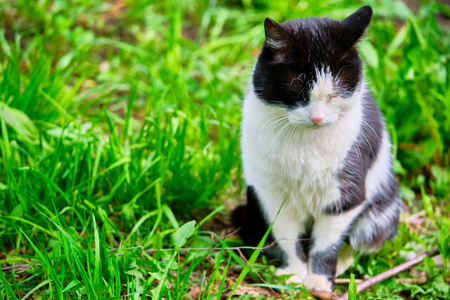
(420, 280)
(389, 273)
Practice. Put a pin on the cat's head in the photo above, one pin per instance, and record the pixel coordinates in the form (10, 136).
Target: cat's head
(311, 68)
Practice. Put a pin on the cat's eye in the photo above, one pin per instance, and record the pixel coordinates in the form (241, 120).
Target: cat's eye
(330, 97)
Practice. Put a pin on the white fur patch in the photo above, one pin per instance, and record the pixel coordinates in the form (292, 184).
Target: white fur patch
(329, 228)
(294, 278)
(316, 282)
(323, 104)
(376, 176)
(323, 87)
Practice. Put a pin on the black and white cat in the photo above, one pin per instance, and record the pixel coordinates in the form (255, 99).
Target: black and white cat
(313, 139)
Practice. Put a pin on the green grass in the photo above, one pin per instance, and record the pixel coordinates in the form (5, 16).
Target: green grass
(119, 123)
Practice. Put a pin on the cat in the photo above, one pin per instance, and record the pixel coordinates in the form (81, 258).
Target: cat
(314, 144)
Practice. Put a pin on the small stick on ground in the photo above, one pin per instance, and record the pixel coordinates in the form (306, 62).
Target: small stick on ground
(345, 281)
(20, 267)
(389, 273)
(420, 280)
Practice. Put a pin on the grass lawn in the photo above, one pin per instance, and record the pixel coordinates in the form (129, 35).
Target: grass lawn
(119, 146)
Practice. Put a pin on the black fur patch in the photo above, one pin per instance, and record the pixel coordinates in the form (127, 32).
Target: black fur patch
(324, 262)
(301, 250)
(303, 244)
(359, 160)
(293, 50)
(250, 219)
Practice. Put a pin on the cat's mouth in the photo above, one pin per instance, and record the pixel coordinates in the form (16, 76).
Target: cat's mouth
(310, 125)
(317, 126)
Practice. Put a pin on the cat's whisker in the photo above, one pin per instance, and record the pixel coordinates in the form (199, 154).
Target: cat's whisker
(370, 145)
(275, 119)
(271, 121)
(354, 146)
(367, 124)
(298, 78)
(258, 88)
(337, 76)
(274, 123)
(289, 138)
(277, 135)
(293, 80)
(358, 153)
(300, 93)
(343, 87)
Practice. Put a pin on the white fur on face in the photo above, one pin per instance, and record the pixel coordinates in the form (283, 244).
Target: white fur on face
(284, 160)
(323, 104)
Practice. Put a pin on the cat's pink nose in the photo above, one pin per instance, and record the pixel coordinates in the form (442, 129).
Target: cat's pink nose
(316, 120)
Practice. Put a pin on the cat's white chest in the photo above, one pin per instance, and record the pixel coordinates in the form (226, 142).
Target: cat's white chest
(292, 163)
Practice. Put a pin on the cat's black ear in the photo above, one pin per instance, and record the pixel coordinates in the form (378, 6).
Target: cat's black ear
(274, 34)
(357, 23)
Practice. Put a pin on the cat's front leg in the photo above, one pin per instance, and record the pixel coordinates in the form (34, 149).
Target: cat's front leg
(289, 242)
(288, 231)
(328, 234)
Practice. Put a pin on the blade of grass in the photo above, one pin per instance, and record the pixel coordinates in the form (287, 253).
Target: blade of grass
(254, 255)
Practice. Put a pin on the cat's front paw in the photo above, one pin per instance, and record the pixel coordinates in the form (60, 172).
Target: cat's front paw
(316, 282)
(296, 278)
